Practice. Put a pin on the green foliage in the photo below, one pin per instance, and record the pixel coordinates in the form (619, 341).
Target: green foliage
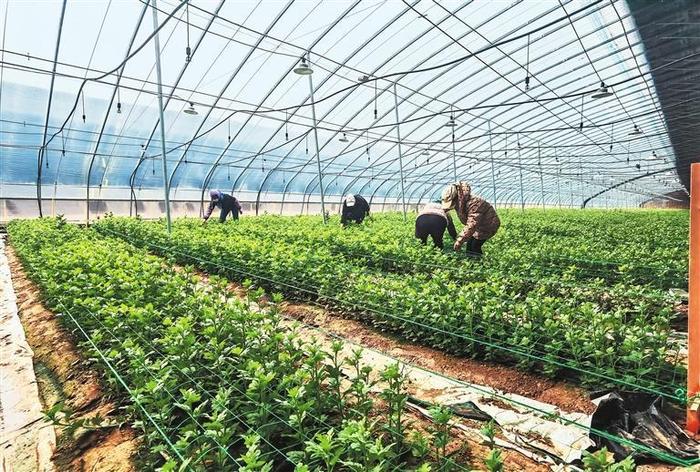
(441, 437)
(228, 387)
(602, 461)
(494, 461)
(489, 430)
(544, 277)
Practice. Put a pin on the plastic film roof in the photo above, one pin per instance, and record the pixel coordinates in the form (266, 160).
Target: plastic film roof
(90, 118)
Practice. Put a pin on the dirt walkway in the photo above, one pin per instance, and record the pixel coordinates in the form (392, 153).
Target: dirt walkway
(508, 379)
(27, 439)
(63, 375)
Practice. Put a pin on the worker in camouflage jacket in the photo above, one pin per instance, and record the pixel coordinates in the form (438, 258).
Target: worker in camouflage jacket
(478, 216)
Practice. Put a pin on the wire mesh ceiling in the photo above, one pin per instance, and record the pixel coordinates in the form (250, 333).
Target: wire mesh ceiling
(533, 101)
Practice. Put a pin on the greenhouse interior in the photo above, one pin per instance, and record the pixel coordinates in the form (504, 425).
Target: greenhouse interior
(349, 235)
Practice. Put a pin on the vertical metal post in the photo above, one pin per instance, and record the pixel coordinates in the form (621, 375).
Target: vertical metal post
(398, 137)
(539, 164)
(42, 149)
(580, 169)
(493, 170)
(693, 412)
(318, 158)
(520, 167)
(166, 183)
(556, 159)
(454, 156)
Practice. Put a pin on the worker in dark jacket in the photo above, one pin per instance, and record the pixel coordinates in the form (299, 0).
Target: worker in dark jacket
(227, 203)
(433, 221)
(478, 216)
(355, 208)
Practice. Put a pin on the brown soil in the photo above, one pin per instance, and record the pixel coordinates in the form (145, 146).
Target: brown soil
(469, 450)
(563, 395)
(109, 449)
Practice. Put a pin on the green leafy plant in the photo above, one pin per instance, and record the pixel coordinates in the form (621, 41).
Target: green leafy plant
(603, 461)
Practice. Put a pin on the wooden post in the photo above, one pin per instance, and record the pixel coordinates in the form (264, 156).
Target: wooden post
(693, 413)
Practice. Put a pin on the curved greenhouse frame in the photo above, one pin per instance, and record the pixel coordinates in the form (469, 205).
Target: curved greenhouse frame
(80, 115)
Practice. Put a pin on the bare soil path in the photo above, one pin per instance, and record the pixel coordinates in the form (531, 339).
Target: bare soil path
(64, 375)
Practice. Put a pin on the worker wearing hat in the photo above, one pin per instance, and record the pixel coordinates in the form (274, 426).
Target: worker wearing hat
(227, 203)
(355, 208)
(478, 216)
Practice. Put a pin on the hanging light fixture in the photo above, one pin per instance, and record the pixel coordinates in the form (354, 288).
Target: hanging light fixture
(425, 153)
(527, 66)
(602, 92)
(451, 122)
(344, 138)
(190, 110)
(119, 101)
(188, 49)
(303, 68)
(363, 79)
(636, 131)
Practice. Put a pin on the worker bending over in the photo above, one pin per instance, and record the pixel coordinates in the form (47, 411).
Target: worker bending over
(355, 208)
(227, 203)
(478, 216)
(433, 221)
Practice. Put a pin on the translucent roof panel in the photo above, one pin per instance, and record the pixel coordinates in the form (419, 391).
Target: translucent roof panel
(497, 93)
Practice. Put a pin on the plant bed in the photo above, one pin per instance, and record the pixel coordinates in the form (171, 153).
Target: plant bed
(207, 382)
(626, 343)
(65, 377)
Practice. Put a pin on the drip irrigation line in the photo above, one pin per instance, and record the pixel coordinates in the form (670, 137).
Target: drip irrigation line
(122, 382)
(119, 66)
(473, 138)
(203, 390)
(501, 75)
(175, 401)
(494, 394)
(190, 379)
(194, 382)
(316, 293)
(595, 271)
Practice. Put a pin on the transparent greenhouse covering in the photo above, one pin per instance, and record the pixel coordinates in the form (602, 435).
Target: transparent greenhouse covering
(540, 101)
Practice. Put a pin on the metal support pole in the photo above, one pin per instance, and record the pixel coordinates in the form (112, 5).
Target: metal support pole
(558, 178)
(580, 169)
(539, 164)
(42, 149)
(398, 137)
(559, 187)
(493, 170)
(166, 183)
(318, 158)
(693, 412)
(520, 167)
(454, 157)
